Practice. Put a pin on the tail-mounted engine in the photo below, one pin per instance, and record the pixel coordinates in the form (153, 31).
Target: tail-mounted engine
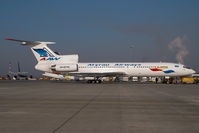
(64, 67)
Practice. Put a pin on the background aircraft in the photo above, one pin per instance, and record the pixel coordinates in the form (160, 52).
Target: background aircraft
(19, 75)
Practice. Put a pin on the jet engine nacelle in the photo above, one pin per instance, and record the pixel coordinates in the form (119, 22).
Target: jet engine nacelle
(64, 67)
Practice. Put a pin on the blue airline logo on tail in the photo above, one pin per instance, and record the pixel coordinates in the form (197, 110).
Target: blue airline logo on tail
(50, 58)
(41, 52)
(45, 53)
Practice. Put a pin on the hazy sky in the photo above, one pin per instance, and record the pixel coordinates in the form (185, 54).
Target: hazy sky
(100, 31)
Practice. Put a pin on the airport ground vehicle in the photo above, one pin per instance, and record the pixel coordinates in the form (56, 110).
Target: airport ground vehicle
(191, 80)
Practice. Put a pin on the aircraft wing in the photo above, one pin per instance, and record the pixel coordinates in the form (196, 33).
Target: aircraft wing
(97, 74)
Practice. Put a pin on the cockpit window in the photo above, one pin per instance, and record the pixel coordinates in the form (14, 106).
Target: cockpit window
(186, 67)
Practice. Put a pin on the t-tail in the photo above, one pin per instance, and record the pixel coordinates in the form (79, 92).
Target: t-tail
(47, 59)
(39, 49)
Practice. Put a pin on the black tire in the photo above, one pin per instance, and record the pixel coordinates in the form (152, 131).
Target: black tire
(89, 81)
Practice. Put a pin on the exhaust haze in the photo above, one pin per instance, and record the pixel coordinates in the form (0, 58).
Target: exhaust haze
(177, 46)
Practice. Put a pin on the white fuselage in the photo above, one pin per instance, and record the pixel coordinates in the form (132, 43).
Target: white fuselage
(136, 69)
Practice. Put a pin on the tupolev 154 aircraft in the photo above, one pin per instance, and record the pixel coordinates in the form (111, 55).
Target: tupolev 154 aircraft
(52, 63)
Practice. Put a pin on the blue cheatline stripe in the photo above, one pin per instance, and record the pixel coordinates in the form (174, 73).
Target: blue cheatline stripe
(169, 71)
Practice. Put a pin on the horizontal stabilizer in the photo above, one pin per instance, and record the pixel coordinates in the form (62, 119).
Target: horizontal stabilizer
(29, 42)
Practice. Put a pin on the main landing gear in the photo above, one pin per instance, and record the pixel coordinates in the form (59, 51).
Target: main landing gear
(95, 81)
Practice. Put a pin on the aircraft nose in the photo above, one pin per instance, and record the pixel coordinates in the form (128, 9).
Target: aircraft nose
(192, 71)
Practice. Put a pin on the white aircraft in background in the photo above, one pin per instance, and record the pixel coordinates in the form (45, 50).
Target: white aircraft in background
(60, 65)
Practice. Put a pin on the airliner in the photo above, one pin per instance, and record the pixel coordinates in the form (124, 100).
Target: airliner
(54, 64)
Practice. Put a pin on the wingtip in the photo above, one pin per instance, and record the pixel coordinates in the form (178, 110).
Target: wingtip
(9, 39)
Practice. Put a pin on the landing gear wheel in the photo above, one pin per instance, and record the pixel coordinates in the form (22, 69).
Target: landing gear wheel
(99, 81)
(89, 81)
(94, 81)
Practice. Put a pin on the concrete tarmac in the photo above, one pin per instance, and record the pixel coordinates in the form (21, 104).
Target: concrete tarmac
(64, 107)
